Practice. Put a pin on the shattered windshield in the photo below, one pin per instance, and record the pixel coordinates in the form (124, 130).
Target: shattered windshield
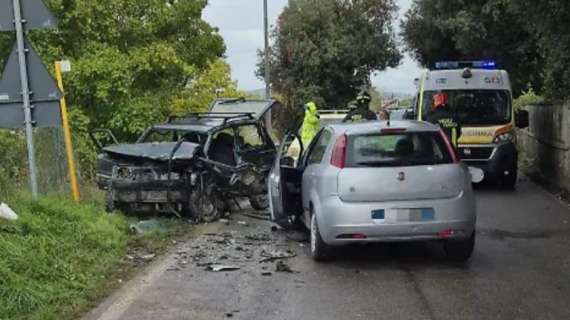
(474, 107)
(164, 135)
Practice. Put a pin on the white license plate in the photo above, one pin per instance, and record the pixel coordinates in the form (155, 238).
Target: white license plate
(398, 215)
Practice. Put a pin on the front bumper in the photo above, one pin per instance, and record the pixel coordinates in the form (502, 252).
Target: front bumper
(337, 219)
(502, 161)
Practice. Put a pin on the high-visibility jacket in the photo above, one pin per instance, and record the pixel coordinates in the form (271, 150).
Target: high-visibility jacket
(311, 124)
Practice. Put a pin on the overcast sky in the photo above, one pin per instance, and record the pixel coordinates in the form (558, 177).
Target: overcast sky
(241, 24)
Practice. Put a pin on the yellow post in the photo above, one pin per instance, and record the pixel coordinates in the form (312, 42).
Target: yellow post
(67, 136)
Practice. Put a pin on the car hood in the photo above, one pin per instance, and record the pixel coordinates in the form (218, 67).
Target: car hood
(153, 151)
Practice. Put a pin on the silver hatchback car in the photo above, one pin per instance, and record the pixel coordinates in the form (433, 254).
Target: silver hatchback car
(376, 182)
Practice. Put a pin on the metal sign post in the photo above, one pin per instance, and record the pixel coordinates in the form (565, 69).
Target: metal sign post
(34, 99)
(26, 98)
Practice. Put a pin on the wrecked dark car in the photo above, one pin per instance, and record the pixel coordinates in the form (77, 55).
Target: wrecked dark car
(194, 165)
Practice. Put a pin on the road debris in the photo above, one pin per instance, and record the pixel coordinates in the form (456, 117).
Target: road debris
(266, 273)
(242, 223)
(276, 255)
(219, 267)
(7, 213)
(258, 237)
(146, 226)
(147, 257)
(281, 266)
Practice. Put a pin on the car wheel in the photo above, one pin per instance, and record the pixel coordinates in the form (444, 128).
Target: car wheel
(203, 208)
(259, 202)
(319, 249)
(460, 251)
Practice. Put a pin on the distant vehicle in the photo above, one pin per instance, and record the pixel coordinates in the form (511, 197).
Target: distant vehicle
(193, 165)
(398, 114)
(480, 98)
(332, 116)
(374, 182)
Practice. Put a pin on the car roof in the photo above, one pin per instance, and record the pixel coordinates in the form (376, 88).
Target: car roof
(204, 125)
(368, 126)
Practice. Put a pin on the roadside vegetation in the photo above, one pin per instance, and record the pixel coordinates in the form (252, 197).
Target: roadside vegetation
(60, 257)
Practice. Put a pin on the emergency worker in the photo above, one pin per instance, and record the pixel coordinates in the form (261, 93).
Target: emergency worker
(442, 116)
(362, 111)
(311, 123)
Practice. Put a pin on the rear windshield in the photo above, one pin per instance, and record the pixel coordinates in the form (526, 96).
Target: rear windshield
(397, 149)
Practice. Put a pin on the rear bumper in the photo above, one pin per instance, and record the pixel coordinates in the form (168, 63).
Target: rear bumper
(338, 219)
(502, 162)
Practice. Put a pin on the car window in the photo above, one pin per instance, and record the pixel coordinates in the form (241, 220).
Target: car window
(249, 137)
(156, 135)
(318, 150)
(397, 149)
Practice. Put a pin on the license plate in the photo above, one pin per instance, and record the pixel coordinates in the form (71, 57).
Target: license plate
(403, 215)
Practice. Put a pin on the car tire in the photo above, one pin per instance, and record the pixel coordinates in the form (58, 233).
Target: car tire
(203, 208)
(460, 251)
(259, 202)
(319, 249)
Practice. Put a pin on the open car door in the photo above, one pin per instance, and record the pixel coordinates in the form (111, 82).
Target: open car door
(257, 108)
(284, 189)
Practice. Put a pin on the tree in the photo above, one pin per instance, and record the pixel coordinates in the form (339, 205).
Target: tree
(435, 30)
(325, 50)
(212, 83)
(132, 59)
(547, 21)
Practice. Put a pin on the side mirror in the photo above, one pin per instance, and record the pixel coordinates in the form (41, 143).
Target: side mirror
(522, 119)
(477, 175)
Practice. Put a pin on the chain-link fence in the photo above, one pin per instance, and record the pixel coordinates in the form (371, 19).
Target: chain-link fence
(50, 161)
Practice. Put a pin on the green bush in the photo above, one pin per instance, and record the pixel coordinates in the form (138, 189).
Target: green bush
(54, 258)
(527, 98)
(12, 159)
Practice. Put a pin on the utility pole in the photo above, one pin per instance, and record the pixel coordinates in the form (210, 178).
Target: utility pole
(267, 55)
(22, 50)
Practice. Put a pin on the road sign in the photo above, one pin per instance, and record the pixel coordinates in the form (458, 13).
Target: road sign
(35, 12)
(42, 86)
(24, 15)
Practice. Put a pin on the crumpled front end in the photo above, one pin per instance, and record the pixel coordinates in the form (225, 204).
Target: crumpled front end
(143, 178)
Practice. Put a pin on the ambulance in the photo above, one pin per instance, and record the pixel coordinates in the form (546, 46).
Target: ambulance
(480, 101)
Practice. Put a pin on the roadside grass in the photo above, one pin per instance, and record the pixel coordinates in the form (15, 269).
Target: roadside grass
(61, 258)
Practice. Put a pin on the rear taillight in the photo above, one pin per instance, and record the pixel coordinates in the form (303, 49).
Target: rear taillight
(450, 148)
(338, 158)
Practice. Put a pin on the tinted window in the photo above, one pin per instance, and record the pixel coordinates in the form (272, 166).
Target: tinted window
(318, 151)
(397, 149)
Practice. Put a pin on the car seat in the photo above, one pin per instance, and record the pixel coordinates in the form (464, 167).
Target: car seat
(222, 149)
(404, 148)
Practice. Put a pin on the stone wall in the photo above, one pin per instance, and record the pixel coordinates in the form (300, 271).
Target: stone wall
(545, 145)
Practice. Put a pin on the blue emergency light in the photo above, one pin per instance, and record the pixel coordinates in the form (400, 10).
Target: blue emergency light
(479, 64)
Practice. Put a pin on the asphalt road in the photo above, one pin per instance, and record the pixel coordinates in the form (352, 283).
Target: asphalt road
(520, 270)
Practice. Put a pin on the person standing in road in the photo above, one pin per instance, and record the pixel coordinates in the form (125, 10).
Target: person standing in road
(442, 116)
(311, 123)
(362, 111)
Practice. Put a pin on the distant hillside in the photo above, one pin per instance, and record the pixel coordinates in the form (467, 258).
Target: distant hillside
(257, 93)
